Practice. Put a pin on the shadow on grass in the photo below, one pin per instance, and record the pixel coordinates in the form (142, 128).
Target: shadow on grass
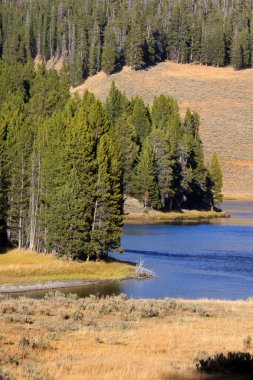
(233, 365)
(198, 376)
(4, 249)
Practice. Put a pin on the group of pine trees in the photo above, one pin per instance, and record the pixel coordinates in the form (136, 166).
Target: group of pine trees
(60, 167)
(163, 160)
(66, 162)
(94, 35)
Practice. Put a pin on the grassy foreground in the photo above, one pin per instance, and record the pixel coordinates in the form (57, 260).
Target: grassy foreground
(63, 337)
(156, 216)
(26, 267)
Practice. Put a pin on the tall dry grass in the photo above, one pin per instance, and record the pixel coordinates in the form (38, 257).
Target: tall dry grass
(24, 266)
(114, 338)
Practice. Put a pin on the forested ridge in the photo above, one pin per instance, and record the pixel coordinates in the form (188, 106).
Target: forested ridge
(66, 162)
(105, 35)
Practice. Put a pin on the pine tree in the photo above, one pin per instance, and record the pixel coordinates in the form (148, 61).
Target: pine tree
(164, 161)
(17, 155)
(116, 103)
(3, 201)
(193, 171)
(129, 148)
(216, 178)
(179, 34)
(135, 47)
(164, 110)
(110, 55)
(241, 51)
(145, 184)
(108, 206)
(140, 119)
(109, 59)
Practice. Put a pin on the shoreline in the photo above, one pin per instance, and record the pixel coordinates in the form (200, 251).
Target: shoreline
(53, 285)
(172, 217)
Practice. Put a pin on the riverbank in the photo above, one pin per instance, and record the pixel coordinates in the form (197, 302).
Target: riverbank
(172, 217)
(63, 337)
(22, 270)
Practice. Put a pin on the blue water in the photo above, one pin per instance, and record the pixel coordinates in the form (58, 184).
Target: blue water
(212, 260)
(191, 261)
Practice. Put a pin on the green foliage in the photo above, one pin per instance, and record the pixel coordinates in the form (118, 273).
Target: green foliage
(164, 161)
(140, 119)
(116, 103)
(65, 163)
(91, 36)
(127, 138)
(145, 185)
(164, 110)
(215, 173)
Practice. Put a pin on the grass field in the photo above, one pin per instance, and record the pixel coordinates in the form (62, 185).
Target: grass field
(223, 97)
(26, 267)
(90, 339)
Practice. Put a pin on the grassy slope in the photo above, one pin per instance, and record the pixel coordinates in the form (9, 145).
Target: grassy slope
(24, 267)
(222, 96)
(88, 339)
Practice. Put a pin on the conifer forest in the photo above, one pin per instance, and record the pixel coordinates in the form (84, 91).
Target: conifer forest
(107, 34)
(67, 162)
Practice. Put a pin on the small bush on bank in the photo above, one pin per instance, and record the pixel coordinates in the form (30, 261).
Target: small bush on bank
(232, 363)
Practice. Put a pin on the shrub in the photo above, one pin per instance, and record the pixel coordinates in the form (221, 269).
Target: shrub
(232, 363)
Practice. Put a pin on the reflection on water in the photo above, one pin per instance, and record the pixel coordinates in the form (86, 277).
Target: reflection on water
(109, 288)
(192, 260)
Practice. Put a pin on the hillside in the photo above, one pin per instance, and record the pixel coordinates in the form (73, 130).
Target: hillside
(223, 97)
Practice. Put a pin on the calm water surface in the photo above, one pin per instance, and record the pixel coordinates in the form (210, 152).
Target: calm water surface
(213, 260)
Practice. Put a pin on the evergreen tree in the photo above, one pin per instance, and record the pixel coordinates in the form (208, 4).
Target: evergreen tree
(216, 178)
(145, 185)
(127, 138)
(116, 103)
(109, 59)
(110, 55)
(164, 160)
(3, 203)
(108, 206)
(164, 110)
(140, 119)
(179, 34)
(17, 155)
(135, 47)
(241, 51)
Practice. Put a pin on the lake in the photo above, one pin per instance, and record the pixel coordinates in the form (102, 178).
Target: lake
(191, 260)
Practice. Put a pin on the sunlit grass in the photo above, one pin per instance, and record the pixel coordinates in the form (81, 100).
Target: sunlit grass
(23, 266)
(116, 338)
(155, 216)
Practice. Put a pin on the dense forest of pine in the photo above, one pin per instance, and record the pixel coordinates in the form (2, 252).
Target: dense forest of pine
(106, 34)
(66, 162)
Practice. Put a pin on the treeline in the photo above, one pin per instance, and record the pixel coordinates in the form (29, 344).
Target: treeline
(105, 35)
(60, 167)
(163, 160)
(66, 162)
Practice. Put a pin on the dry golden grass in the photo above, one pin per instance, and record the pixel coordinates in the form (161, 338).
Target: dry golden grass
(25, 267)
(66, 338)
(156, 216)
(223, 97)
